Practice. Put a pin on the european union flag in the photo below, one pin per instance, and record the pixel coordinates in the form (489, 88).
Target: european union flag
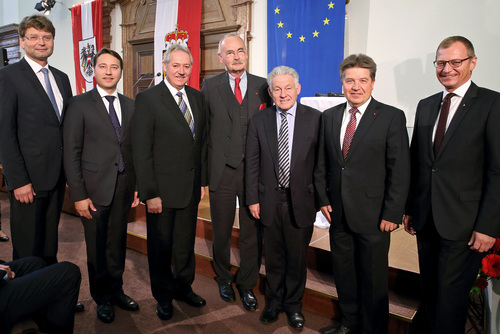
(307, 35)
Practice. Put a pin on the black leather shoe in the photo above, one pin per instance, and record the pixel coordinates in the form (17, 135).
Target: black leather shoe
(248, 299)
(164, 311)
(339, 330)
(105, 313)
(269, 315)
(226, 292)
(79, 307)
(125, 302)
(192, 299)
(295, 319)
(4, 238)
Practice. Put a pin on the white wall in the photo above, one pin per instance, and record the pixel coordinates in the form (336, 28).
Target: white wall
(400, 35)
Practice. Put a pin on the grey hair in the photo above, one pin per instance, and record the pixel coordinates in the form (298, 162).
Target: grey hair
(176, 47)
(231, 34)
(281, 70)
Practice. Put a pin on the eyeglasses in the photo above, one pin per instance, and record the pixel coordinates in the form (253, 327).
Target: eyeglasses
(454, 63)
(35, 38)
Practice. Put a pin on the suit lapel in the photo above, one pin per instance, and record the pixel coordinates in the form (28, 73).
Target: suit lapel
(462, 109)
(335, 124)
(299, 135)
(102, 112)
(194, 109)
(270, 126)
(253, 95)
(61, 88)
(225, 92)
(170, 105)
(38, 88)
(126, 112)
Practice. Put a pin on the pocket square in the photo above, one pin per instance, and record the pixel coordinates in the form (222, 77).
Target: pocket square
(262, 106)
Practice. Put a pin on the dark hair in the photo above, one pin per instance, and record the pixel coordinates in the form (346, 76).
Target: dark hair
(39, 22)
(358, 60)
(109, 52)
(448, 41)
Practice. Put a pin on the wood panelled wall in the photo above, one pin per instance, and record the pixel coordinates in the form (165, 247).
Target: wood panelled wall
(219, 17)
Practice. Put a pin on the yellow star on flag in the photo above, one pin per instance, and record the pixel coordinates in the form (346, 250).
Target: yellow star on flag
(277, 10)
(302, 38)
(330, 5)
(289, 35)
(280, 24)
(316, 33)
(326, 21)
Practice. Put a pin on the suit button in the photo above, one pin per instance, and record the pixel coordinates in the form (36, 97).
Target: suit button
(60, 147)
(225, 154)
(343, 168)
(434, 170)
(228, 137)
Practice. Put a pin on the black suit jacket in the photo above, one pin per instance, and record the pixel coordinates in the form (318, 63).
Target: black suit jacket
(372, 183)
(168, 162)
(30, 133)
(92, 150)
(261, 171)
(218, 95)
(461, 185)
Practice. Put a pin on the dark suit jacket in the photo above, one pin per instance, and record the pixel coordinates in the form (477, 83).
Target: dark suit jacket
(168, 162)
(372, 183)
(92, 150)
(30, 133)
(461, 185)
(218, 95)
(261, 172)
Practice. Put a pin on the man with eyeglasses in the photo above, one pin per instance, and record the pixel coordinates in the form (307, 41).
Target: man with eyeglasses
(33, 97)
(453, 203)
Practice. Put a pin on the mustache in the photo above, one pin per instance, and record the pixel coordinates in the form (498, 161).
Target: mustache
(181, 75)
(237, 62)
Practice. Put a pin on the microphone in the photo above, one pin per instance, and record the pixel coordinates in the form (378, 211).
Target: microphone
(152, 80)
(140, 78)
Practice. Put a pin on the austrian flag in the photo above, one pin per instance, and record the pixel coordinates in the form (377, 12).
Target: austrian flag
(178, 21)
(87, 41)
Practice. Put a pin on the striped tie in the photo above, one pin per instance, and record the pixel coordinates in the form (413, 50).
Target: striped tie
(186, 112)
(283, 154)
(349, 132)
(50, 92)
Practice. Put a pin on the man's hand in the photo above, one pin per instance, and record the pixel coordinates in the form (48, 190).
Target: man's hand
(326, 210)
(387, 226)
(10, 273)
(25, 194)
(82, 208)
(408, 223)
(202, 193)
(154, 205)
(480, 242)
(255, 210)
(136, 200)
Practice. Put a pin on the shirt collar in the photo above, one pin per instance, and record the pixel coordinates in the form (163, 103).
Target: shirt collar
(460, 91)
(174, 90)
(290, 111)
(361, 108)
(34, 65)
(103, 93)
(243, 76)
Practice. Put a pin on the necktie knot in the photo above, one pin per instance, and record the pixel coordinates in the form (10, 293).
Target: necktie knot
(110, 98)
(44, 71)
(237, 80)
(353, 111)
(179, 94)
(449, 96)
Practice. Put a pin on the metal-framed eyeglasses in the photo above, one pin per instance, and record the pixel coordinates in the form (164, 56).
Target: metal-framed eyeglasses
(454, 63)
(35, 38)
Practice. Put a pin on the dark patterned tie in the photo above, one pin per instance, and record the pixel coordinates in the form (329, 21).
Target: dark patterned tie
(349, 132)
(116, 124)
(237, 90)
(283, 154)
(50, 92)
(186, 112)
(441, 127)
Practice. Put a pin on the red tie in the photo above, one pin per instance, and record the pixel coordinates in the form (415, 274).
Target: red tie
(349, 132)
(441, 127)
(237, 90)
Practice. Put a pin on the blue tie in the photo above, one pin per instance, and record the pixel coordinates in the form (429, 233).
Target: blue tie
(50, 92)
(118, 128)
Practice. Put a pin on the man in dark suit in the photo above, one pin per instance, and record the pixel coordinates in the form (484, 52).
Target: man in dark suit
(33, 96)
(169, 150)
(232, 98)
(280, 156)
(29, 288)
(362, 179)
(101, 179)
(453, 205)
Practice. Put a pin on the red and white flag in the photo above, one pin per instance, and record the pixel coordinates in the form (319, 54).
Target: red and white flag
(87, 41)
(178, 21)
